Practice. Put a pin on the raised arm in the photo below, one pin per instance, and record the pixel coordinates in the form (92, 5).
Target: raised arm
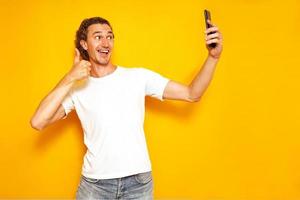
(50, 108)
(193, 92)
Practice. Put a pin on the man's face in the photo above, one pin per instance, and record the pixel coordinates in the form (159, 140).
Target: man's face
(99, 44)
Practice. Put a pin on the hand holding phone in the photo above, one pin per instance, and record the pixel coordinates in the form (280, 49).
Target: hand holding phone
(207, 17)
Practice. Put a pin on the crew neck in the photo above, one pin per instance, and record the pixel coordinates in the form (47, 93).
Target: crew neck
(106, 76)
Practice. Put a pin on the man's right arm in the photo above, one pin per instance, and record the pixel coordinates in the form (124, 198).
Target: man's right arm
(50, 108)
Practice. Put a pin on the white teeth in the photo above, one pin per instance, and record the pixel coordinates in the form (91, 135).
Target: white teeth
(103, 51)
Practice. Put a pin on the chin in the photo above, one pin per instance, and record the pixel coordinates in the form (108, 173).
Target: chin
(103, 62)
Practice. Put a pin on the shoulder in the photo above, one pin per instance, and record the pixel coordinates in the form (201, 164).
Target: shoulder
(138, 71)
(129, 69)
(141, 70)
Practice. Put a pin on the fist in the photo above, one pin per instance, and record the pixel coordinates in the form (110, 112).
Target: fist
(81, 68)
(213, 35)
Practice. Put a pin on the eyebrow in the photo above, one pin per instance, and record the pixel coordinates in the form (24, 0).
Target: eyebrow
(101, 32)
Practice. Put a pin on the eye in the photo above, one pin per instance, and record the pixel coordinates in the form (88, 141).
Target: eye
(98, 37)
(109, 37)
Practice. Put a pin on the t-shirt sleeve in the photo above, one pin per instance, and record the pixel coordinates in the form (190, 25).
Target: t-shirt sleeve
(68, 104)
(154, 84)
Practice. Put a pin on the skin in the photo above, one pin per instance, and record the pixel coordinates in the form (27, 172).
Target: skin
(194, 91)
(99, 38)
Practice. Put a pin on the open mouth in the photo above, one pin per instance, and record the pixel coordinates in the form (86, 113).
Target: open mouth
(103, 51)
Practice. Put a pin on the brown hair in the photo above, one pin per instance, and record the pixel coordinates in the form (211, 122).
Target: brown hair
(81, 33)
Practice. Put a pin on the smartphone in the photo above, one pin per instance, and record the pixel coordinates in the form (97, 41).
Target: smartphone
(207, 17)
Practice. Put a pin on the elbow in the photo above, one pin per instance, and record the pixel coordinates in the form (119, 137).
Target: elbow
(193, 96)
(36, 125)
(194, 99)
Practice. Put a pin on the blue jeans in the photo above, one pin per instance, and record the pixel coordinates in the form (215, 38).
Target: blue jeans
(138, 187)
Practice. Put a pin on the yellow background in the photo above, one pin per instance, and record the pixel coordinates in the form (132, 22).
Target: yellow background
(241, 141)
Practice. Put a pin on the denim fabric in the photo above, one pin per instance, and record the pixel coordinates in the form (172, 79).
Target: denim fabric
(138, 187)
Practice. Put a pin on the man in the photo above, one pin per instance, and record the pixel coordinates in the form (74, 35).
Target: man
(109, 101)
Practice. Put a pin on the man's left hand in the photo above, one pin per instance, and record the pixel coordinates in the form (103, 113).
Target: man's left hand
(214, 37)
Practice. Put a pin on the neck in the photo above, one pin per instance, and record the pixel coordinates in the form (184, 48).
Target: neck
(98, 70)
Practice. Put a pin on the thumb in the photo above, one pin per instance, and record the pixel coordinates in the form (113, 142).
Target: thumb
(77, 57)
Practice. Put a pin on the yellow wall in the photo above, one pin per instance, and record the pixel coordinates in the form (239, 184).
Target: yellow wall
(240, 142)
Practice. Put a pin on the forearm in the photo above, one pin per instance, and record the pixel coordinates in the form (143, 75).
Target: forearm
(49, 105)
(203, 78)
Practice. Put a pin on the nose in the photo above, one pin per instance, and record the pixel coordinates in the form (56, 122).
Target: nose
(104, 42)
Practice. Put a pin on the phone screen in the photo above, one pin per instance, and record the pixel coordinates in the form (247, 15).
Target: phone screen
(207, 17)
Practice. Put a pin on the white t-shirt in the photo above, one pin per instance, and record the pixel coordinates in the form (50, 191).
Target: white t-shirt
(111, 110)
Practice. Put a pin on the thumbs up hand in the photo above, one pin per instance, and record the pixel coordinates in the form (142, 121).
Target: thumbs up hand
(81, 68)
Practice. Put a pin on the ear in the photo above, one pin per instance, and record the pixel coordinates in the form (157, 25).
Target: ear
(83, 44)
